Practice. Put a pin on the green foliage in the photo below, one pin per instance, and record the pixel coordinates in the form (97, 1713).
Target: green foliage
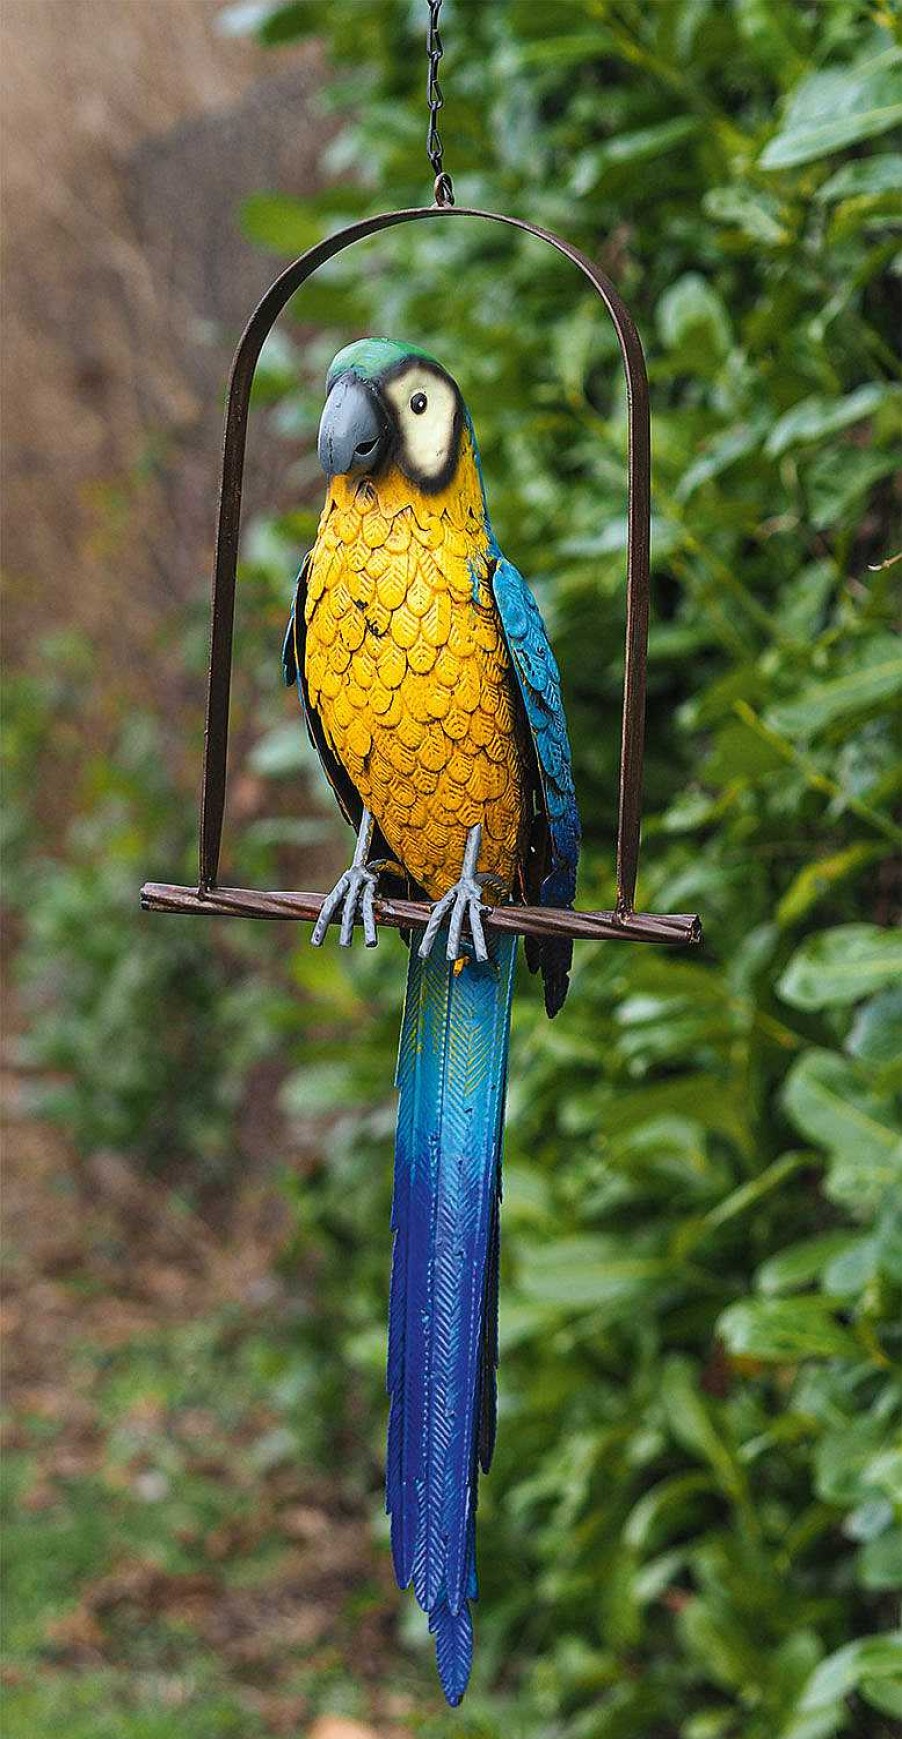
(692, 1526)
(109, 1706)
(143, 1034)
(143, 1593)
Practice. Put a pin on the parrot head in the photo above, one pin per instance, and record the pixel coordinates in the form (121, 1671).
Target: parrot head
(391, 404)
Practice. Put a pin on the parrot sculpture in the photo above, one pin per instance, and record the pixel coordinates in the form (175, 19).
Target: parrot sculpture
(432, 697)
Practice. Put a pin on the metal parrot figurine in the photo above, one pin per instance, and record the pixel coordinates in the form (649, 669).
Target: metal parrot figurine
(432, 697)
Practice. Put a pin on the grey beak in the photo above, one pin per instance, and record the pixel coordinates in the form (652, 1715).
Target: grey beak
(354, 432)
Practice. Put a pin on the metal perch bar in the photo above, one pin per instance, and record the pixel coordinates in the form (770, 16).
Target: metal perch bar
(680, 929)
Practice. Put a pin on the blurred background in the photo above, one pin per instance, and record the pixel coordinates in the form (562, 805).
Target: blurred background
(692, 1528)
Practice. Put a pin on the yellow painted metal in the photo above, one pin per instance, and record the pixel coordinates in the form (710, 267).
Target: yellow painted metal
(407, 668)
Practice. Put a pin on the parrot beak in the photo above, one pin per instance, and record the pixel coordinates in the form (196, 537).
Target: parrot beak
(354, 432)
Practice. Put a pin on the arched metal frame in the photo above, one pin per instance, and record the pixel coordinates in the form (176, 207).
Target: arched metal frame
(624, 922)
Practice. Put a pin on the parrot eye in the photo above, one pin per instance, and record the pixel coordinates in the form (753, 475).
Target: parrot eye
(426, 414)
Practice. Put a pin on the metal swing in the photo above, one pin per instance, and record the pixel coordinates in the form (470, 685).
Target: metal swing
(208, 898)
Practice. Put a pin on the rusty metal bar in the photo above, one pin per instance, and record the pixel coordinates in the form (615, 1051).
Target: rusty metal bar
(680, 929)
(226, 561)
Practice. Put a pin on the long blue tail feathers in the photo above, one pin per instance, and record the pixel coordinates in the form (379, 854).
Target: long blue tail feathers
(442, 1339)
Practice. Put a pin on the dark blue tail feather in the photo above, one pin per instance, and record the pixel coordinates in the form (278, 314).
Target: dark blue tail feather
(453, 1634)
(452, 1069)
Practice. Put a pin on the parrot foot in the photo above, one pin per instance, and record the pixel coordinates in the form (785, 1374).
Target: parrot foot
(464, 900)
(354, 891)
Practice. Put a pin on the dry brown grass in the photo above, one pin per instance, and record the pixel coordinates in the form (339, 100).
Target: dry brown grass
(131, 129)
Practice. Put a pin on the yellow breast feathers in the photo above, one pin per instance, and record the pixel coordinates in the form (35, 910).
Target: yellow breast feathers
(407, 668)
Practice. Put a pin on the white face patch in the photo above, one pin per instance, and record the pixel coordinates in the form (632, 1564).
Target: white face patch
(425, 407)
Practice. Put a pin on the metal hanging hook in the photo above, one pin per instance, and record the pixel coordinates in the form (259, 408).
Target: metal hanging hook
(443, 192)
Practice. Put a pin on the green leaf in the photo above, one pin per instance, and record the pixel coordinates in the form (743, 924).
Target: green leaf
(587, 1273)
(878, 679)
(562, 50)
(284, 225)
(870, 1657)
(868, 1519)
(876, 1035)
(867, 175)
(839, 478)
(289, 21)
(316, 1092)
(280, 753)
(835, 108)
(815, 880)
(725, 450)
(665, 538)
(244, 17)
(785, 1331)
(638, 146)
(852, 1269)
(848, 1460)
(832, 1104)
(884, 1695)
(693, 320)
(670, 1508)
(656, 1575)
(885, 1472)
(803, 608)
(749, 1194)
(719, 1642)
(841, 966)
(880, 1564)
(801, 1263)
(690, 1419)
(753, 213)
(829, 1102)
(816, 417)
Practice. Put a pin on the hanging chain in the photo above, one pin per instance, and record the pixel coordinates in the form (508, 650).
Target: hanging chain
(443, 191)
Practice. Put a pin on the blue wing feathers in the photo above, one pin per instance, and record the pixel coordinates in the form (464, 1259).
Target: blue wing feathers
(539, 683)
(540, 688)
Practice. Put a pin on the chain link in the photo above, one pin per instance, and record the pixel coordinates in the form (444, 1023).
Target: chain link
(443, 192)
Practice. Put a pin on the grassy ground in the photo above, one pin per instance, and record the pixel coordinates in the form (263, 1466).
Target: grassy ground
(169, 1565)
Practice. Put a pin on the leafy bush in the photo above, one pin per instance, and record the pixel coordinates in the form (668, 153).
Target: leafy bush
(141, 1034)
(693, 1522)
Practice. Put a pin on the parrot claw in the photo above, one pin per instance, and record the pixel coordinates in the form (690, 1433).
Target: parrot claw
(354, 891)
(464, 900)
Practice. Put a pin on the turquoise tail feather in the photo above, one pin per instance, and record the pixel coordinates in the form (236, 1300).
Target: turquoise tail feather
(452, 1073)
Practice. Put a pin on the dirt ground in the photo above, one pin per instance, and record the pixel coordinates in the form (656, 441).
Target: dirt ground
(145, 1458)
